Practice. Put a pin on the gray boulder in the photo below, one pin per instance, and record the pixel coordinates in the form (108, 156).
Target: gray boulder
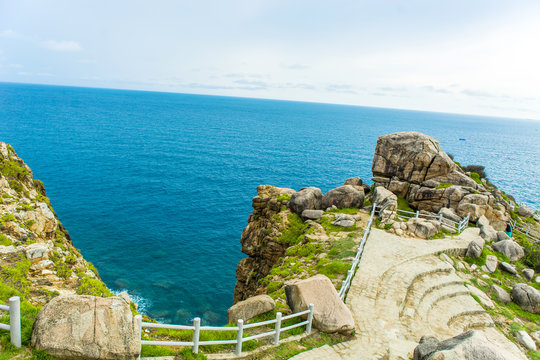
(501, 235)
(482, 221)
(250, 308)
(87, 327)
(308, 198)
(344, 220)
(524, 210)
(386, 200)
(508, 268)
(312, 214)
(450, 214)
(344, 196)
(423, 228)
(475, 248)
(491, 263)
(528, 274)
(471, 345)
(527, 297)
(509, 248)
(354, 181)
(330, 313)
(488, 233)
(524, 339)
(501, 294)
(427, 346)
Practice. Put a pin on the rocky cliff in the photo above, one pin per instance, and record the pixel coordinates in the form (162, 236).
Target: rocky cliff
(37, 257)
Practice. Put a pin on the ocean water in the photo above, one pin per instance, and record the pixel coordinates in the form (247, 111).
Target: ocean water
(156, 188)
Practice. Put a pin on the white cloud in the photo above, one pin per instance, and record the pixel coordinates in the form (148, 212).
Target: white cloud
(66, 45)
(9, 34)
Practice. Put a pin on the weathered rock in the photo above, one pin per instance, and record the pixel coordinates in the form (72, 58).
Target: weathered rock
(471, 345)
(524, 210)
(488, 233)
(528, 274)
(484, 299)
(491, 263)
(446, 258)
(510, 248)
(508, 268)
(527, 297)
(308, 198)
(330, 313)
(427, 346)
(450, 214)
(386, 200)
(501, 235)
(536, 336)
(312, 214)
(87, 327)
(354, 181)
(475, 248)
(501, 294)
(344, 196)
(423, 228)
(343, 220)
(524, 339)
(482, 221)
(250, 308)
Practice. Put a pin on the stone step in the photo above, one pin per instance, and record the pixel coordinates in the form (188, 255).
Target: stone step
(424, 286)
(448, 310)
(474, 320)
(437, 293)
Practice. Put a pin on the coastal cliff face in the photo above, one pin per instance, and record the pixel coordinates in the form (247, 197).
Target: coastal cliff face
(37, 257)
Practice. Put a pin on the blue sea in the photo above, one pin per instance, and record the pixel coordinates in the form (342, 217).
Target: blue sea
(155, 188)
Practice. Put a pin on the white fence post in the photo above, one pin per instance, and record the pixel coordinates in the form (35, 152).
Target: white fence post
(309, 319)
(138, 321)
(239, 337)
(278, 328)
(15, 320)
(196, 334)
(417, 213)
(440, 217)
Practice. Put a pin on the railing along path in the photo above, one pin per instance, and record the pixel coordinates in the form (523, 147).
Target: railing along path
(449, 223)
(14, 327)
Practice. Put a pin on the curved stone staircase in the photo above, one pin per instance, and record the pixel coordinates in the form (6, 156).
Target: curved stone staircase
(402, 291)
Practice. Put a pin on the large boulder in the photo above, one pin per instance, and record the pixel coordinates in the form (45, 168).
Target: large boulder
(527, 297)
(386, 201)
(346, 196)
(449, 214)
(250, 308)
(500, 294)
(524, 210)
(354, 181)
(423, 228)
(471, 345)
(87, 327)
(510, 248)
(312, 214)
(488, 233)
(330, 313)
(307, 198)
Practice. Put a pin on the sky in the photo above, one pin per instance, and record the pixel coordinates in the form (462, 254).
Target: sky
(474, 57)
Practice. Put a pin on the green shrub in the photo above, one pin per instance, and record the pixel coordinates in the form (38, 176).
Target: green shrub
(342, 248)
(15, 185)
(12, 169)
(443, 185)
(476, 178)
(331, 269)
(25, 207)
(91, 286)
(283, 197)
(403, 204)
(477, 169)
(293, 234)
(4, 240)
(349, 211)
(7, 217)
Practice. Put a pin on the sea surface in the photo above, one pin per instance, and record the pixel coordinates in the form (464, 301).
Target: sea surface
(156, 188)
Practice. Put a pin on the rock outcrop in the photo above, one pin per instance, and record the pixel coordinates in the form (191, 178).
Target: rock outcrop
(308, 198)
(471, 345)
(386, 201)
(330, 313)
(33, 237)
(413, 165)
(87, 327)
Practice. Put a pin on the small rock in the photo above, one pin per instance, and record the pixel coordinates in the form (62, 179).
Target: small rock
(446, 258)
(501, 235)
(312, 214)
(524, 339)
(528, 274)
(508, 268)
(473, 267)
(399, 232)
(428, 345)
(524, 210)
(536, 336)
(481, 283)
(475, 248)
(537, 279)
(485, 301)
(460, 266)
(491, 263)
(343, 220)
(497, 281)
(501, 294)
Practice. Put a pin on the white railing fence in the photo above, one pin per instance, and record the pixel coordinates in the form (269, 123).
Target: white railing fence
(346, 284)
(527, 231)
(14, 327)
(449, 223)
(195, 342)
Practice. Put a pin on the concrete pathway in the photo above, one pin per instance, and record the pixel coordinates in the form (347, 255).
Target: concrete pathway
(402, 291)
